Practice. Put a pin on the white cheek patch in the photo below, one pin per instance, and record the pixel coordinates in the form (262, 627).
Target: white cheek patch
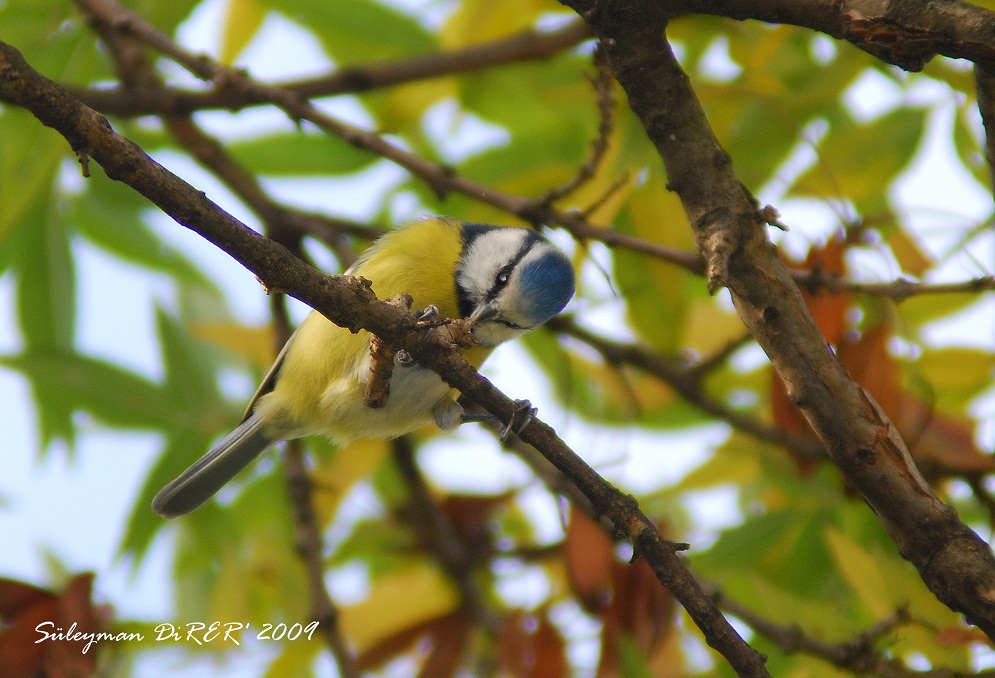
(485, 257)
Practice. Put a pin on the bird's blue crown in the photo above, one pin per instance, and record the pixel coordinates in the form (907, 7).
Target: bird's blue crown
(549, 283)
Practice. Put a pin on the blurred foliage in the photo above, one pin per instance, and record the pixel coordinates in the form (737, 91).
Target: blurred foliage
(804, 131)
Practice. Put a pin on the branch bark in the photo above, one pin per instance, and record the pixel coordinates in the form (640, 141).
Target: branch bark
(905, 33)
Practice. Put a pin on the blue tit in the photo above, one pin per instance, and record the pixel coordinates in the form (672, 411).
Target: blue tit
(507, 280)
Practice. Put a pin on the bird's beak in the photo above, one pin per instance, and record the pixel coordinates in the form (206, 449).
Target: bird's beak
(483, 312)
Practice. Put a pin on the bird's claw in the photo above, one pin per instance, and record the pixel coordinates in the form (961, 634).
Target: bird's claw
(430, 312)
(523, 409)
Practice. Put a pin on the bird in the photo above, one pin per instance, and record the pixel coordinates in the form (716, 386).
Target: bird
(506, 280)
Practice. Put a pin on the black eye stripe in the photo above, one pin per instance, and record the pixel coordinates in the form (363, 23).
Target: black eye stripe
(469, 295)
(504, 274)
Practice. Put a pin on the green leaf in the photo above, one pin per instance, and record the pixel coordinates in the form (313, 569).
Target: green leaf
(359, 30)
(54, 39)
(657, 294)
(925, 308)
(109, 214)
(863, 574)
(46, 287)
(633, 662)
(111, 394)
(165, 16)
(859, 161)
(383, 545)
(297, 154)
(181, 448)
(296, 660)
(29, 160)
(191, 387)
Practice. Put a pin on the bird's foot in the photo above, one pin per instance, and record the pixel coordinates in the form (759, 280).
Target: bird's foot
(427, 314)
(523, 409)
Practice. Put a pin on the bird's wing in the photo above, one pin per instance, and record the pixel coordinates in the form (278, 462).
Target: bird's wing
(266, 385)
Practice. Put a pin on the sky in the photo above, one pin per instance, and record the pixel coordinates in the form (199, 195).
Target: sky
(67, 511)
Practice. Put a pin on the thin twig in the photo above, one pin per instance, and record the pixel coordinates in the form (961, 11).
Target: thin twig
(687, 382)
(857, 655)
(525, 46)
(606, 114)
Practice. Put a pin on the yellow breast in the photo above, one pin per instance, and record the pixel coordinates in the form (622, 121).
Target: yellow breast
(321, 383)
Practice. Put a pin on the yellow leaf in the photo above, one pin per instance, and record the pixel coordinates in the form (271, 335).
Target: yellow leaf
(477, 21)
(253, 343)
(228, 599)
(296, 659)
(908, 253)
(864, 573)
(334, 478)
(402, 107)
(727, 465)
(398, 601)
(241, 23)
(710, 328)
(956, 369)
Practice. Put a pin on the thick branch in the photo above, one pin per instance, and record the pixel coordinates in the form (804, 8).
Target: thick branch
(906, 33)
(985, 80)
(953, 561)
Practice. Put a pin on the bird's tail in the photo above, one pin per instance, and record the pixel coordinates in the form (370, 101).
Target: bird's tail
(209, 474)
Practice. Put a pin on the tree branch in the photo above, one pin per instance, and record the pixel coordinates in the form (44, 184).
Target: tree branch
(953, 561)
(984, 78)
(687, 383)
(905, 33)
(857, 655)
(525, 46)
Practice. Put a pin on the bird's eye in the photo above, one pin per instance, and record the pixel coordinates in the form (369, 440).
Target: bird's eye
(502, 278)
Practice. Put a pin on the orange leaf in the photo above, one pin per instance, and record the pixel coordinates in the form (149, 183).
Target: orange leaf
(589, 555)
(24, 608)
(828, 309)
(512, 643)
(873, 367)
(550, 652)
(958, 636)
(940, 443)
(470, 514)
(448, 640)
(398, 643)
(641, 608)
(531, 647)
